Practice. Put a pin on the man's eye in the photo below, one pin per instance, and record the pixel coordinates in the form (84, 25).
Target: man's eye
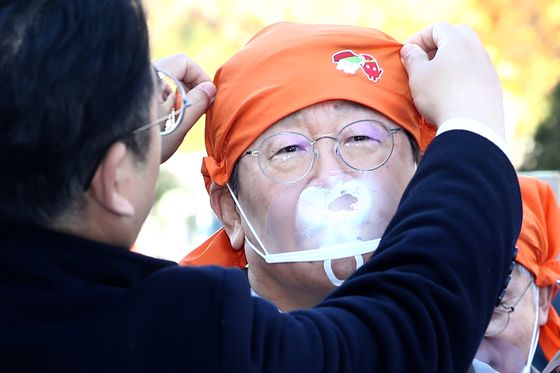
(288, 153)
(361, 140)
(289, 149)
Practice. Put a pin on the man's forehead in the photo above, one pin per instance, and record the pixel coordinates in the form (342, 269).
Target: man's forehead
(335, 111)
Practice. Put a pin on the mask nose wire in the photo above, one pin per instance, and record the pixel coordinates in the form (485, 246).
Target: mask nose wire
(242, 212)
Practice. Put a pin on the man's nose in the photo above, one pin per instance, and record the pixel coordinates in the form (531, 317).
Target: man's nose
(328, 161)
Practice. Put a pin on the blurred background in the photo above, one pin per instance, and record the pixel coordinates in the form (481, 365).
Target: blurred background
(521, 36)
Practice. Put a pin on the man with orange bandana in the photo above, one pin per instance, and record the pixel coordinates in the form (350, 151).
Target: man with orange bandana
(525, 313)
(311, 142)
(82, 140)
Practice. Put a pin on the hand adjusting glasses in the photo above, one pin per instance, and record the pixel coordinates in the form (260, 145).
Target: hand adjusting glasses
(287, 157)
(170, 114)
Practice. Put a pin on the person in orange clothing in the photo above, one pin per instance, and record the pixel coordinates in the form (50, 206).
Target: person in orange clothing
(311, 141)
(525, 318)
(82, 140)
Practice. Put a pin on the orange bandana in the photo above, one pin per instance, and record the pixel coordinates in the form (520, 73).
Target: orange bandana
(287, 67)
(539, 249)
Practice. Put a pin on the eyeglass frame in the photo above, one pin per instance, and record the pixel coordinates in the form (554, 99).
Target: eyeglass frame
(390, 131)
(509, 310)
(185, 103)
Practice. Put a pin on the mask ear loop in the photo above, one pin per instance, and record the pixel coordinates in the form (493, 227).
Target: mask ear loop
(242, 212)
(535, 337)
(327, 264)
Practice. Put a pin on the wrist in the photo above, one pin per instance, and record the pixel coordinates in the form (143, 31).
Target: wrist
(478, 127)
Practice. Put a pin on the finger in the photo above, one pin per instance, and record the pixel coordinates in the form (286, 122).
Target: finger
(468, 33)
(412, 56)
(436, 35)
(193, 74)
(184, 69)
(199, 99)
(424, 38)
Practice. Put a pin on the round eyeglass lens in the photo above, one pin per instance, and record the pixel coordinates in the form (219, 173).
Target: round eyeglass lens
(286, 157)
(365, 145)
(171, 109)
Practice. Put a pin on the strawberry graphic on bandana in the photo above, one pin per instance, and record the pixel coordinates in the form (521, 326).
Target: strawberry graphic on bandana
(350, 62)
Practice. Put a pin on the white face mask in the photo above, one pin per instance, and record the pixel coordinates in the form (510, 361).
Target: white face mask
(335, 214)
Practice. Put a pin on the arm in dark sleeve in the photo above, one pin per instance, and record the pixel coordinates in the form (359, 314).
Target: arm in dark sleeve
(420, 304)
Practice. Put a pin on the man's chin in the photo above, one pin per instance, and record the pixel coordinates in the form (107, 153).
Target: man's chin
(344, 267)
(501, 356)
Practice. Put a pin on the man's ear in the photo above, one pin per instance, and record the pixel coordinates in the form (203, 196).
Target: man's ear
(545, 300)
(225, 209)
(106, 187)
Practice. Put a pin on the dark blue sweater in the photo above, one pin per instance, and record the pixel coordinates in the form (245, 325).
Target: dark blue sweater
(421, 304)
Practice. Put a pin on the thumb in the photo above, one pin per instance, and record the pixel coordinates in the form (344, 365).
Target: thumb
(199, 98)
(412, 55)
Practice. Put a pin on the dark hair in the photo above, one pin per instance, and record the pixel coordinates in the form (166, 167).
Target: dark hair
(414, 147)
(76, 77)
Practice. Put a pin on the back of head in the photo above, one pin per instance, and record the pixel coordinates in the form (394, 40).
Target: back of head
(76, 76)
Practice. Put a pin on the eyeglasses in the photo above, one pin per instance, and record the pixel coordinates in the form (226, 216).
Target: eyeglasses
(288, 157)
(170, 113)
(500, 317)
